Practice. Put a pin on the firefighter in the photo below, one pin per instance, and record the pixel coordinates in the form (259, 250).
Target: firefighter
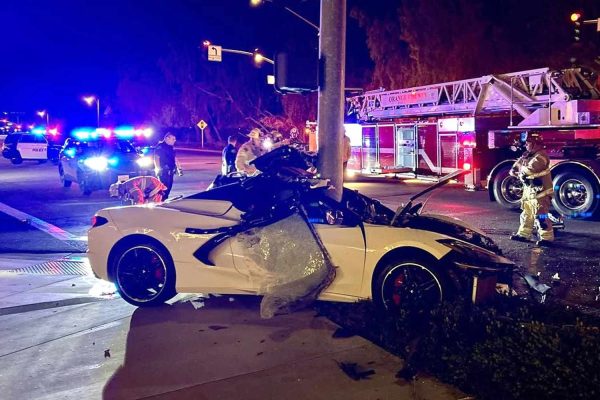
(533, 169)
(249, 151)
(165, 162)
(229, 155)
(347, 151)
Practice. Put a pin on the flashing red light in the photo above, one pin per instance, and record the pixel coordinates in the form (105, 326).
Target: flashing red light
(575, 17)
(53, 131)
(467, 166)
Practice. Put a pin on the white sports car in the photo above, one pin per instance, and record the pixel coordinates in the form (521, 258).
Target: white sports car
(218, 241)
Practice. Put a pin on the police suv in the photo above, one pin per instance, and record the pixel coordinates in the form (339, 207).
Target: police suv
(20, 146)
(96, 164)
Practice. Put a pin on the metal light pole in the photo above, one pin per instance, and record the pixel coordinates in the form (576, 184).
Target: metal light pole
(90, 100)
(332, 56)
(45, 113)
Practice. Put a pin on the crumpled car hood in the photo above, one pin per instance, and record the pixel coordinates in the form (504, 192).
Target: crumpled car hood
(454, 228)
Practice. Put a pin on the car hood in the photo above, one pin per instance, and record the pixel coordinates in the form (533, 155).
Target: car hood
(454, 228)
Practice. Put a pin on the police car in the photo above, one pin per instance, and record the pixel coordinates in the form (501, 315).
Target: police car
(20, 146)
(96, 164)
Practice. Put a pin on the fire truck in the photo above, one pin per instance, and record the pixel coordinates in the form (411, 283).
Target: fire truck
(475, 125)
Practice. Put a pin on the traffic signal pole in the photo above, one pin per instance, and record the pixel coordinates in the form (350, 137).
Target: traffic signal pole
(330, 125)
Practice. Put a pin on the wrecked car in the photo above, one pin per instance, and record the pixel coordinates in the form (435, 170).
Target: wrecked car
(280, 235)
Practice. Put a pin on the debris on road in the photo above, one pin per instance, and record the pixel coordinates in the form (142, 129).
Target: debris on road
(354, 371)
(343, 333)
(217, 327)
(107, 353)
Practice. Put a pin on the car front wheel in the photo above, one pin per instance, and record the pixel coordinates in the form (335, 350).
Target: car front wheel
(411, 284)
(144, 274)
(65, 182)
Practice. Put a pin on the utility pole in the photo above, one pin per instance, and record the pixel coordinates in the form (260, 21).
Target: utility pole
(332, 58)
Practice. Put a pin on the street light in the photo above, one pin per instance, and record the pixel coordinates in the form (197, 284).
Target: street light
(44, 113)
(257, 3)
(90, 100)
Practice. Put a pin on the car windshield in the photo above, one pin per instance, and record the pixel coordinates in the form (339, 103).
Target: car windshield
(107, 147)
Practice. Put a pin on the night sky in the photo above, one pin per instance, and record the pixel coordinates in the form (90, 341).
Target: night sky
(53, 52)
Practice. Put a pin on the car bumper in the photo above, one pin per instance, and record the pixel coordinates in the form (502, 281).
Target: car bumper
(103, 180)
(101, 240)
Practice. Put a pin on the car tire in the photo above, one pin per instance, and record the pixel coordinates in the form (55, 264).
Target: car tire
(507, 189)
(144, 273)
(84, 186)
(412, 284)
(65, 182)
(16, 160)
(575, 195)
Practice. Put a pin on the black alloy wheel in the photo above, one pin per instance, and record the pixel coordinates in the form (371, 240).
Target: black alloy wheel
(409, 285)
(144, 275)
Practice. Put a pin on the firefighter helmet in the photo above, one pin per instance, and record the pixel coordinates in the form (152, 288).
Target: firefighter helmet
(254, 134)
(531, 136)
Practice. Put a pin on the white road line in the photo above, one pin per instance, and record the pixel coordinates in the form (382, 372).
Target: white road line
(43, 226)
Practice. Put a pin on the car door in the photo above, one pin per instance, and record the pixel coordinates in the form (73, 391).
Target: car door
(340, 233)
(343, 236)
(32, 147)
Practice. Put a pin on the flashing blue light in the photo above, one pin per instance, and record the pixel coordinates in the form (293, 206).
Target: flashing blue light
(38, 131)
(113, 161)
(70, 152)
(83, 134)
(145, 150)
(125, 132)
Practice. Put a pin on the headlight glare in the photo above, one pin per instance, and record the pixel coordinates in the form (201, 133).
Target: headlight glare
(144, 162)
(96, 163)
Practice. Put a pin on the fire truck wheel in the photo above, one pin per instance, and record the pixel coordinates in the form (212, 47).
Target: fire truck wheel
(575, 195)
(507, 189)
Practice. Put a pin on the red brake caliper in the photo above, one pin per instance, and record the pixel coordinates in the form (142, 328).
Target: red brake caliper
(159, 273)
(398, 282)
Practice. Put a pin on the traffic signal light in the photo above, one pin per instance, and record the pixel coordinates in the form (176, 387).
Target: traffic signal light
(576, 19)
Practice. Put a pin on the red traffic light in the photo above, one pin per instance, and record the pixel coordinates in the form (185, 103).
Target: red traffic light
(575, 17)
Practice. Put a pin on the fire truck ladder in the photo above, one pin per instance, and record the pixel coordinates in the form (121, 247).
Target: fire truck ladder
(524, 92)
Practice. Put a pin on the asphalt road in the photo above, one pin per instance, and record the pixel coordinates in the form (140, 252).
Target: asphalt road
(34, 189)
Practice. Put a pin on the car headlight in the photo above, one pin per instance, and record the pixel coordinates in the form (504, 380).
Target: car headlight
(144, 162)
(469, 256)
(96, 163)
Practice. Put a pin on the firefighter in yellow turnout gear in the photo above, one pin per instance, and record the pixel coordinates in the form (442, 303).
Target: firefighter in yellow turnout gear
(533, 169)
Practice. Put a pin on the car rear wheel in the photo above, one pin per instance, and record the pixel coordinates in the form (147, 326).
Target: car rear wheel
(410, 284)
(144, 274)
(65, 182)
(16, 160)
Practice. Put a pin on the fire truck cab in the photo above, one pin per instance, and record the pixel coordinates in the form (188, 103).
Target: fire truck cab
(475, 124)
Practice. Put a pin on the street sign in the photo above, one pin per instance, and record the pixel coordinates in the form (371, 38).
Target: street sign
(214, 53)
(202, 125)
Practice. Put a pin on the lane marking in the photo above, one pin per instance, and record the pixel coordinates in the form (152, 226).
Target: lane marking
(37, 223)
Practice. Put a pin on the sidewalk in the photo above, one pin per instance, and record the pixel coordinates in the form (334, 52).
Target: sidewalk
(89, 347)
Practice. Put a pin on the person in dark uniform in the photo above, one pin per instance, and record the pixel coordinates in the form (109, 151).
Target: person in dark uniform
(229, 155)
(165, 162)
